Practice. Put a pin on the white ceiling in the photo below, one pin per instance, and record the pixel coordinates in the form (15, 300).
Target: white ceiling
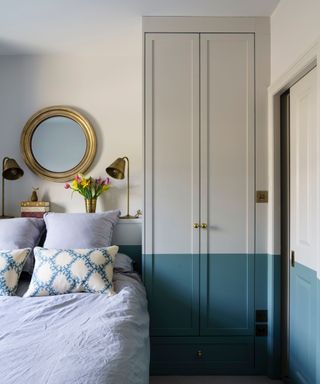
(31, 26)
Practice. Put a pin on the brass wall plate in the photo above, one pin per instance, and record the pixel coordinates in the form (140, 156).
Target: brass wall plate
(262, 196)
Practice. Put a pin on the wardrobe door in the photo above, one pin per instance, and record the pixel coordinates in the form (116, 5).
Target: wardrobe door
(227, 184)
(171, 253)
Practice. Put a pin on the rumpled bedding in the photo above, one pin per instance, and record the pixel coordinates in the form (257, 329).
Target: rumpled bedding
(77, 338)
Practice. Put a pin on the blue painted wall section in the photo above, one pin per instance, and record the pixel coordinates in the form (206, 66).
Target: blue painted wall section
(261, 303)
(134, 251)
(274, 311)
(318, 333)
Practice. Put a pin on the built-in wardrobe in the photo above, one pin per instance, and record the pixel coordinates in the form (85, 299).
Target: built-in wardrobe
(199, 263)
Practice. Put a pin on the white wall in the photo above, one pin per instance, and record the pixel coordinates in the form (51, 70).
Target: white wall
(295, 27)
(106, 87)
(101, 73)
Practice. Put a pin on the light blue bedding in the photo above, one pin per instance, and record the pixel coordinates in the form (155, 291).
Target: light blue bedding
(76, 338)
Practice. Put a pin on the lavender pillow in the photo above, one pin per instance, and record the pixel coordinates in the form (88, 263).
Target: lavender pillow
(23, 232)
(80, 230)
(123, 263)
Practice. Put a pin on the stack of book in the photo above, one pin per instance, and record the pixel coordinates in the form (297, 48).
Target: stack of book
(34, 208)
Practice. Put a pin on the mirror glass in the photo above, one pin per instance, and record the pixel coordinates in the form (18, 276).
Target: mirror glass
(58, 144)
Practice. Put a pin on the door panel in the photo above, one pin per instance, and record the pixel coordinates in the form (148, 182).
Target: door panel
(303, 229)
(172, 143)
(227, 285)
(303, 157)
(172, 182)
(172, 282)
(303, 325)
(227, 184)
(227, 143)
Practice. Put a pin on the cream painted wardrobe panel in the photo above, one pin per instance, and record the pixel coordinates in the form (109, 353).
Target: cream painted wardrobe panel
(303, 167)
(227, 143)
(172, 143)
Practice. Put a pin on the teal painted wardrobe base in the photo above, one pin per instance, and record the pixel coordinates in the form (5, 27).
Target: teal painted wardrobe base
(191, 349)
(208, 356)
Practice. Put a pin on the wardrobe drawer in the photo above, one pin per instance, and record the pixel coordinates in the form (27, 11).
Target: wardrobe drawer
(217, 355)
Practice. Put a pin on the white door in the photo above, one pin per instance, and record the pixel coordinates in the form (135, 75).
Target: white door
(303, 228)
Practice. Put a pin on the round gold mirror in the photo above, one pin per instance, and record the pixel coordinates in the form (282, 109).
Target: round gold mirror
(57, 143)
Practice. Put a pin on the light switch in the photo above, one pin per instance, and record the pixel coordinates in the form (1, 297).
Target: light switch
(262, 196)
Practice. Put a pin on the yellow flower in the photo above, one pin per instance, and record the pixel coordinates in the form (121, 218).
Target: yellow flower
(85, 183)
(74, 185)
(105, 188)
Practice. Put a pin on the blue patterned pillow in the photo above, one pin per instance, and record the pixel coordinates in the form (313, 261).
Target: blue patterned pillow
(59, 271)
(11, 264)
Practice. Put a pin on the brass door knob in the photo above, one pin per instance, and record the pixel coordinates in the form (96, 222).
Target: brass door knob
(195, 225)
(204, 225)
(199, 354)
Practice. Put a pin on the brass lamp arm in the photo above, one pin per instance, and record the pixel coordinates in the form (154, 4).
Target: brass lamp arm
(3, 162)
(128, 185)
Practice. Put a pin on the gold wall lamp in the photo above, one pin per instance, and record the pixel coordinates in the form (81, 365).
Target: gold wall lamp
(10, 171)
(117, 171)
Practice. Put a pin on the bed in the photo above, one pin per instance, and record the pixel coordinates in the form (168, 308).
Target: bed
(72, 308)
(77, 338)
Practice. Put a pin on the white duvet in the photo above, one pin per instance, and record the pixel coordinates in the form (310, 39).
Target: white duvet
(76, 338)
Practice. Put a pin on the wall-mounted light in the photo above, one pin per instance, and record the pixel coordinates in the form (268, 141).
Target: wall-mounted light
(117, 171)
(10, 171)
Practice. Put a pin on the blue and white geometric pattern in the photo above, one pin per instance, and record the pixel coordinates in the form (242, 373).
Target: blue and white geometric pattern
(59, 271)
(11, 264)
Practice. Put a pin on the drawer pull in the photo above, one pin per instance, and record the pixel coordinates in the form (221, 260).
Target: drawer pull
(196, 225)
(204, 225)
(199, 354)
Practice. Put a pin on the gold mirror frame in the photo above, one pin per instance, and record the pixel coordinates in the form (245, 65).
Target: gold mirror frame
(31, 126)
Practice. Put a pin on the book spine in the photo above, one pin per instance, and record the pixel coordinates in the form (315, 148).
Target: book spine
(38, 215)
(35, 204)
(34, 209)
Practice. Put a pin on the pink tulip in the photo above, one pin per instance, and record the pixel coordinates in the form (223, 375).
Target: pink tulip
(67, 186)
(107, 181)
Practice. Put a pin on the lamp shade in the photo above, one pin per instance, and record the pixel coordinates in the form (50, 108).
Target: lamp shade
(11, 170)
(117, 168)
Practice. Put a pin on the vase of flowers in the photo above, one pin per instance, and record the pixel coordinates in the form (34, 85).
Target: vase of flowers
(90, 189)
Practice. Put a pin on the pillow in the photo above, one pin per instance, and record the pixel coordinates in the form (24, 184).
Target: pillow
(80, 230)
(123, 263)
(59, 271)
(11, 264)
(23, 232)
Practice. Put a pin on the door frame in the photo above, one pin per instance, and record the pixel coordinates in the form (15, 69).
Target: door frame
(309, 60)
(285, 228)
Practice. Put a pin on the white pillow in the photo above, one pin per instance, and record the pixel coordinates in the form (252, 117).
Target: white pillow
(59, 271)
(11, 264)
